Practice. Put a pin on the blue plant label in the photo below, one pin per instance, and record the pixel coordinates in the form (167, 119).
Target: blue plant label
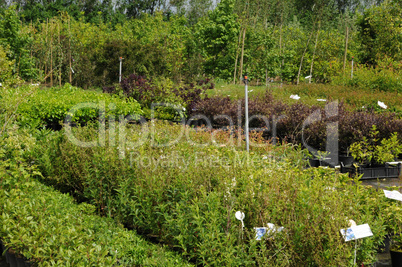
(271, 229)
(260, 232)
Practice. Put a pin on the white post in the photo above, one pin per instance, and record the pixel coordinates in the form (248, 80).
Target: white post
(246, 110)
(351, 74)
(121, 61)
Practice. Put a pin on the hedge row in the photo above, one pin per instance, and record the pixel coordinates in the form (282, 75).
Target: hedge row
(50, 107)
(49, 228)
(186, 195)
(299, 123)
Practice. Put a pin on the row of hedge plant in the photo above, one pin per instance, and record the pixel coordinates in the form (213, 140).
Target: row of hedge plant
(48, 228)
(186, 194)
(50, 107)
(299, 123)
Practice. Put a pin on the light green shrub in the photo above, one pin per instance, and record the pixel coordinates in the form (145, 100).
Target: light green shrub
(51, 106)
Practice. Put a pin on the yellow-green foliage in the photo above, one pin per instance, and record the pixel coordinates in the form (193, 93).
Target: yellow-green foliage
(51, 106)
(6, 68)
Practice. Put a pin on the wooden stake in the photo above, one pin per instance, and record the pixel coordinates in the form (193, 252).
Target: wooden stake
(237, 56)
(51, 57)
(69, 50)
(315, 48)
(60, 54)
(346, 48)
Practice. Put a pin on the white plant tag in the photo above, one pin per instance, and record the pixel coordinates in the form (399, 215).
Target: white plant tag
(381, 104)
(393, 195)
(240, 216)
(356, 232)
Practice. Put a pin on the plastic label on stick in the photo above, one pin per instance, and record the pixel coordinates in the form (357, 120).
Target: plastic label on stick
(356, 232)
(393, 195)
(271, 229)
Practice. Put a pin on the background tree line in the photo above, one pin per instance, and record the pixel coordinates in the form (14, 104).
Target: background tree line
(80, 42)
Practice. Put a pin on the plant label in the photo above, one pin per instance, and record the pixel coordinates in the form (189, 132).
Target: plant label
(381, 104)
(260, 232)
(240, 216)
(356, 232)
(271, 229)
(393, 195)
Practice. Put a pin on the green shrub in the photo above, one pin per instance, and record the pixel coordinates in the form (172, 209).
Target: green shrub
(186, 194)
(6, 69)
(385, 77)
(51, 106)
(49, 228)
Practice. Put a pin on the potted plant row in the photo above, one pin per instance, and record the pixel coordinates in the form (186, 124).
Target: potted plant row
(375, 158)
(324, 158)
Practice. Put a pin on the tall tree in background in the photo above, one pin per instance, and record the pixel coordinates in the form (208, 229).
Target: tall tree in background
(16, 42)
(380, 32)
(198, 9)
(216, 37)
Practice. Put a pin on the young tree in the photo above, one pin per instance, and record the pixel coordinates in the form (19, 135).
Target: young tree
(17, 42)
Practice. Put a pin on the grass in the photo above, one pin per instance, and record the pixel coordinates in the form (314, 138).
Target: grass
(356, 98)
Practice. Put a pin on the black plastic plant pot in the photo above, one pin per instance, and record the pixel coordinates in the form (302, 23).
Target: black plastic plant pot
(380, 172)
(396, 258)
(20, 262)
(346, 160)
(314, 163)
(11, 259)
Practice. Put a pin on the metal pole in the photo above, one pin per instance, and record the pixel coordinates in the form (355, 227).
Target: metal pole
(121, 61)
(351, 74)
(246, 110)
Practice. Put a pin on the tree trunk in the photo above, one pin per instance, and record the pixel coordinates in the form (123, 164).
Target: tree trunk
(282, 63)
(302, 58)
(69, 52)
(346, 48)
(60, 55)
(242, 54)
(45, 61)
(315, 48)
(237, 57)
(51, 57)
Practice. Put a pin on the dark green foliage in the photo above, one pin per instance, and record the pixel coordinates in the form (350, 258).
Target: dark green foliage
(380, 32)
(17, 42)
(217, 36)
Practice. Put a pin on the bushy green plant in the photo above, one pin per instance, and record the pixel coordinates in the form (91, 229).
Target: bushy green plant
(51, 106)
(50, 228)
(186, 194)
(6, 69)
(385, 76)
(372, 150)
(393, 217)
